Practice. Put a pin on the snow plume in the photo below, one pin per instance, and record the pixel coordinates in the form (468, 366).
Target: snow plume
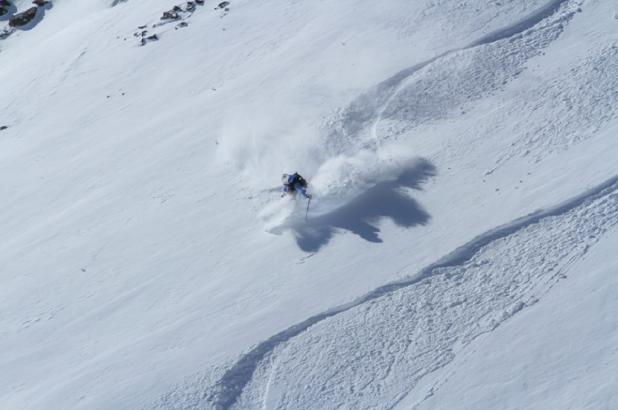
(278, 215)
(341, 178)
(338, 181)
(263, 142)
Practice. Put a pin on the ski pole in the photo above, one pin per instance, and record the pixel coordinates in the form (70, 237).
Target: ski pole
(307, 212)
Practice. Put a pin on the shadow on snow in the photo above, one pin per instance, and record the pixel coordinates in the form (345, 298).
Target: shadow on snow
(11, 9)
(361, 215)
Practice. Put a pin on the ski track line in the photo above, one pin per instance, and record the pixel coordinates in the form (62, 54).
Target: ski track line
(269, 383)
(385, 92)
(228, 389)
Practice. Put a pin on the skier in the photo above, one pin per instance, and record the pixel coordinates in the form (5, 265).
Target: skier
(293, 184)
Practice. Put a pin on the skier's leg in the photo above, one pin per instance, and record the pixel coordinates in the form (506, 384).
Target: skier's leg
(285, 191)
(302, 190)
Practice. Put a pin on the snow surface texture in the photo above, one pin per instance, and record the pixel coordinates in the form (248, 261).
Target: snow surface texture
(361, 355)
(147, 261)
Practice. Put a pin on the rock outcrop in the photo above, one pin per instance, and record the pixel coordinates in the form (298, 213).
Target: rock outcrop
(23, 18)
(5, 7)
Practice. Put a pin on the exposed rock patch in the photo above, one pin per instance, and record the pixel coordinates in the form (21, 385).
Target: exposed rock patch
(178, 15)
(148, 39)
(23, 18)
(7, 9)
(223, 5)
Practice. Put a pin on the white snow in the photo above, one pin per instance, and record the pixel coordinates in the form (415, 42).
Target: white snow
(460, 247)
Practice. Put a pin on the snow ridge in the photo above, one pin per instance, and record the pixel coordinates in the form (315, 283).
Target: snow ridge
(521, 26)
(586, 217)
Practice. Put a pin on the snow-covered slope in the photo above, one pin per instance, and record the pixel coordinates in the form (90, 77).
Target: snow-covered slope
(458, 253)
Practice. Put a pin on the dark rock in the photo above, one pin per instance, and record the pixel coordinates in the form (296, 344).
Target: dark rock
(40, 3)
(21, 19)
(200, 2)
(5, 7)
(170, 15)
(145, 40)
(3, 127)
(142, 27)
(6, 33)
(190, 6)
(223, 5)
(182, 24)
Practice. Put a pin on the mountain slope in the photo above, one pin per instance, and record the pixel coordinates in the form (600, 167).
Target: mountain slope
(136, 270)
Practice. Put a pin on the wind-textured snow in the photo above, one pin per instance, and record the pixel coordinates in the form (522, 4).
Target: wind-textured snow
(458, 253)
(361, 355)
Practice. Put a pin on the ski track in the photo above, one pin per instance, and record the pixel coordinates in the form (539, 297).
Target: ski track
(389, 339)
(583, 113)
(427, 91)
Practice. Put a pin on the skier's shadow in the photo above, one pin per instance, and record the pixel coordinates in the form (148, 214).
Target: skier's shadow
(361, 214)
